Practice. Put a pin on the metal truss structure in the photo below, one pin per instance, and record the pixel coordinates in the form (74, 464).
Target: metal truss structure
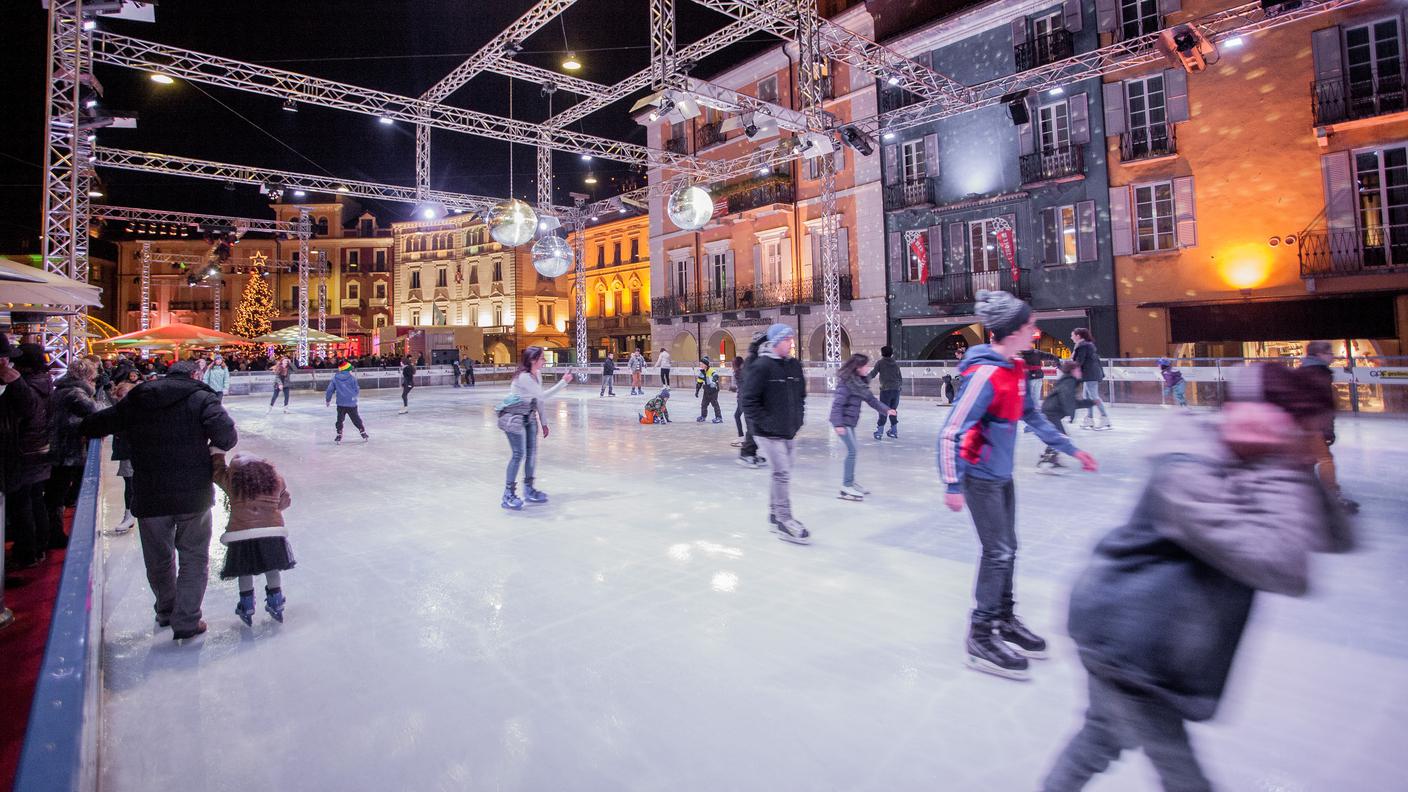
(72, 51)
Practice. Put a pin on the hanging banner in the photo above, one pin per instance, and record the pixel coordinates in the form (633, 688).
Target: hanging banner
(1007, 243)
(919, 245)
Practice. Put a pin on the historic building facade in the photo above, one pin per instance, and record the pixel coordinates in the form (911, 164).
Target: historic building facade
(617, 270)
(758, 261)
(1010, 197)
(450, 272)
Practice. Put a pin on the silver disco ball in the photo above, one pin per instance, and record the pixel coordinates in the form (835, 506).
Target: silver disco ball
(552, 256)
(690, 207)
(512, 223)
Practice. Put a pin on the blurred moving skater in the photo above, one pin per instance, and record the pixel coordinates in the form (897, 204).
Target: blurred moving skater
(1230, 508)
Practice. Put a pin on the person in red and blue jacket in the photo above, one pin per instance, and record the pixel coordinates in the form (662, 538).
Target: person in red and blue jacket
(975, 453)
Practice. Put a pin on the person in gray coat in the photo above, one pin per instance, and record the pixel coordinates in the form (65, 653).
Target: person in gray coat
(851, 390)
(1229, 510)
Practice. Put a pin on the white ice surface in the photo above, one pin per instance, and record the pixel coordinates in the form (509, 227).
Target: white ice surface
(644, 631)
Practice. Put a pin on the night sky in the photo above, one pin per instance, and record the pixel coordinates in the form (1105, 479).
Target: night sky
(405, 47)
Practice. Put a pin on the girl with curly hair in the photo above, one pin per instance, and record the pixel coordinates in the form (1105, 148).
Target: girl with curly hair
(255, 539)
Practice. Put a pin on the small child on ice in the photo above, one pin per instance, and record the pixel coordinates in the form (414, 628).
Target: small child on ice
(656, 410)
(707, 381)
(256, 540)
(1174, 385)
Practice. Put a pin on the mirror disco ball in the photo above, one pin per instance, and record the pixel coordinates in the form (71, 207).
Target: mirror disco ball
(512, 223)
(552, 256)
(690, 208)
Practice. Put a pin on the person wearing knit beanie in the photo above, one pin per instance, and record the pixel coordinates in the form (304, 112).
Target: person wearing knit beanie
(976, 446)
(773, 396)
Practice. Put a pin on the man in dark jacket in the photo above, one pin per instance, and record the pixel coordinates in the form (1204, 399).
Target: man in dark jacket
(1320, 381)
(408, 381)
(891, 380)
(774, 395)
(608, 375)
(172, 424)
(1091, 373)
(72, 401)
(26, 400)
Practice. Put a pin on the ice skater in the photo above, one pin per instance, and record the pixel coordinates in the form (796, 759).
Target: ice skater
(127, 379)
(1228, 511)
(408, 381)
(1320, 381)
(1174, 384)
(707, 383)
(1058, 407)
(851, 390)
(657, 409)
(520, 419)
(774, 401)
(344, 386)
(608, 375)
(255, 539)
(283, 369)
(748, 447)
(455, 372)
(1091, 373)
(663, 361)
(636, 363)
(891, 382)
(976, 444)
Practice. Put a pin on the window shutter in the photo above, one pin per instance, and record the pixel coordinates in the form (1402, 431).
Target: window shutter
(1183, 215)
(786, 246)
(1327, 53)
(957, 243)
(896, 243)
(1026, 136)
(1050, 237)
(1114, 108)
(931, 156)
(1176, 94)
(1107, 15)
(757, 264)
(1087, 243)
(935, 241)
(892, 165)
(1079, 109)
(1121, 227)
(1338, 177)
(1019, 31)
(1167, 7)
(1071, 12)
(728, 269)
(839, 156)
(843, 255)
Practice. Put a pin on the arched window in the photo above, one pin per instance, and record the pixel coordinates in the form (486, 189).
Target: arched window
(600, 300)
(321, 229)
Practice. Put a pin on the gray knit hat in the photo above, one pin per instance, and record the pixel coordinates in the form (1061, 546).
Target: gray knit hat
(780, 331)
(1001, 313)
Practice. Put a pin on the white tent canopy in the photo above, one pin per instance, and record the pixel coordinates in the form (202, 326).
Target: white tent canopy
(22, 285)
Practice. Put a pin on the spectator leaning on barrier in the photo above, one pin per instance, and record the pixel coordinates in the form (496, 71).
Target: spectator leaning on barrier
(172, 424)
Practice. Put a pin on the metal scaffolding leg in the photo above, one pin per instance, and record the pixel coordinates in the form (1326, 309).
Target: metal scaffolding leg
(422, 163)
(579, 275)
(322, 299)
(305, 230)
(218, 291)
(545, 177)
(662, 41)
(64, 216)
(146, 322)
(811, 69)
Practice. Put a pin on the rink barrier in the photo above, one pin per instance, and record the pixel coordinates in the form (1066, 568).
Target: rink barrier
(60, 751)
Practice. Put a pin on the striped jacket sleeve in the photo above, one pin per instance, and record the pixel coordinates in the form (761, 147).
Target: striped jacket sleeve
(974, 396)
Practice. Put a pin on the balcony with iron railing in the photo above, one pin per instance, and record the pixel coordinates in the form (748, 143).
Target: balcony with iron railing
(1049, 164)
(762, 193)
(957, 288)
(677, 145)
(707, 135)
(1339, 100)
(911, 192)
(809, 291)
(1054, 46)
(1352, 251)
(892, 99)
(1147, 143)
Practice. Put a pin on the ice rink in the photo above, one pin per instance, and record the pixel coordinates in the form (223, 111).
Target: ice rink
(645, 631)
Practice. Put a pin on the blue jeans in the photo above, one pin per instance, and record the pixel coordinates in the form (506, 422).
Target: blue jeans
(891, 398)
(1179, 392)
(281, 385)
(993, 504)
(848, 475)
(1091, 390)
(1118, 720)
(525, 450)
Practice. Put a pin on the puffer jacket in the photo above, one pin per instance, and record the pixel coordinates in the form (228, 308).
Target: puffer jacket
(250, 515)
(773, 395)
(845, 404)
(171, 424)
(608, 367)
(1164, 602)
(345, 386)
(218, 378)
(71, 403)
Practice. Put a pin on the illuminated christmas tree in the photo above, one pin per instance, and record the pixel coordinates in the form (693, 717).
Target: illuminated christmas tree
(256, 309)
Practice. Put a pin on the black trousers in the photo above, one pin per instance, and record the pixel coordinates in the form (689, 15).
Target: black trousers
(405, 393)
(346, 412)
(60, 491)
(27, 521)
(711, 396)
(665, 377)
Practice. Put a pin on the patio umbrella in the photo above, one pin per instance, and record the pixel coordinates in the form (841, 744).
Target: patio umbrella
(175, 335)
(289, 335)
(21, 284)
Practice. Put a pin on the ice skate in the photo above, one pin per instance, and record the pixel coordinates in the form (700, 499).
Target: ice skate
(851, 492)
(1050, 463)
(245, 608)
(752, 461)
(338, 439)
(893, 434)
(989, 654)
(700, 419)
(125, 524)
(1350, 506)
(402, 411)
(532, 495)
(511, 499)
(1104, 424)
(717, 420)
(1024, 641)
(878, 434)
(365, 437)
(285, 411)
(790, 530)
(861, 487)
(274, 604)
(737, 444)
(1087, 424)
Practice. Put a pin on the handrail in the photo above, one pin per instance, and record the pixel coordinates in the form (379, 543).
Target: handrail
(60, 750)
